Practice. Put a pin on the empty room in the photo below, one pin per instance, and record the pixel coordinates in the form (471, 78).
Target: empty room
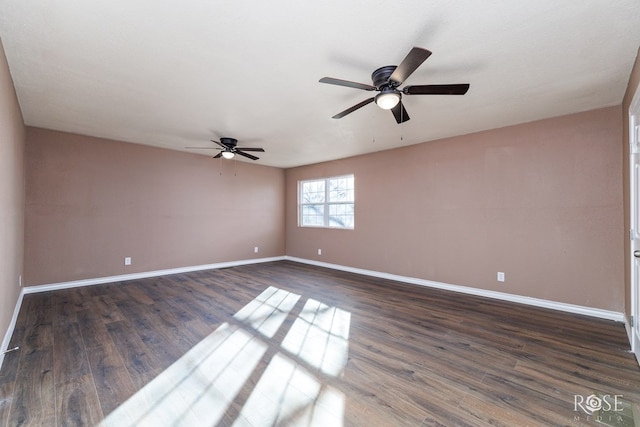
(208, 218)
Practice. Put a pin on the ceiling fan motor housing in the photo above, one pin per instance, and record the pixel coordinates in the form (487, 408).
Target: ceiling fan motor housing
(380, 77)
(229, 142)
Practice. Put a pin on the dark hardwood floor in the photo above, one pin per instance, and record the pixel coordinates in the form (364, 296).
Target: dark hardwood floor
(289, 344)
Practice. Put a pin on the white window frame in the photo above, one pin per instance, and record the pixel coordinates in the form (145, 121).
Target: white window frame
(326, 203)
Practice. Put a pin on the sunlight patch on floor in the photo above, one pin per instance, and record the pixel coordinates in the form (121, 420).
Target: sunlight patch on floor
(199, 388)
(320, 337)
(287, 394)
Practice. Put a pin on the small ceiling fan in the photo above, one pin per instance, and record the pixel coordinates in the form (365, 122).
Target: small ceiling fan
(387, 80)
(229, 149)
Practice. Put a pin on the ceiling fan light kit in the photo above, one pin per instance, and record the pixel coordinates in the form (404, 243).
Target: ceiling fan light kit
(387, 99)
(228, 154)
(388, 79)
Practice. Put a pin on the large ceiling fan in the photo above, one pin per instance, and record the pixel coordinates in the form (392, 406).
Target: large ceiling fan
(387, 80)
(229, 149)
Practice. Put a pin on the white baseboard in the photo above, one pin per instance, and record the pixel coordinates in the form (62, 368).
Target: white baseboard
(144, 275)
(560, 306)
(12, 325)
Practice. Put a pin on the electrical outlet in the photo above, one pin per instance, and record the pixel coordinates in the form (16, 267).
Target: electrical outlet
(127, 260)
(500, 276)
(255, 250)
(319, 251)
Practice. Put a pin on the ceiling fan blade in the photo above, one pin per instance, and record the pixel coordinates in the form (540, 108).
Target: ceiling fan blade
(217, 156)
(201, 148)
(409, 64)
(250, 149)
(249, 156)
(352, 109)
(220, 144)
(400, 113)
(456, 89)
(355, 85)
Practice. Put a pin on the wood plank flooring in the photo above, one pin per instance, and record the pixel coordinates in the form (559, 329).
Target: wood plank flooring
(289, 344)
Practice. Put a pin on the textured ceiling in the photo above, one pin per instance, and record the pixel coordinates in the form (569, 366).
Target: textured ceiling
(175, 74)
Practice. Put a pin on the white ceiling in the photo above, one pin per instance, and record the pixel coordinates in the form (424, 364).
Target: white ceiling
(175, 74)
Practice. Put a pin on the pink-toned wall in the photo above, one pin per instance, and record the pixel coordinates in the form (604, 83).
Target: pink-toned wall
(540, 201)
(632, 87)
(91, 202)
(11, 195)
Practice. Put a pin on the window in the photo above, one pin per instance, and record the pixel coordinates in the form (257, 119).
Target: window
(327, 202)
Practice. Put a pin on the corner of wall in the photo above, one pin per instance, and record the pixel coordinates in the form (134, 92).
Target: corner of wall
(12, 195)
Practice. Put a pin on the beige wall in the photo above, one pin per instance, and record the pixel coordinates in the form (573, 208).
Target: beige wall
(540, 201)
(91, 202)
(634, 82)
(11, 195)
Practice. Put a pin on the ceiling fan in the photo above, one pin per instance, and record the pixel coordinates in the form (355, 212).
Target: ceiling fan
(229, 149)
(387, 80)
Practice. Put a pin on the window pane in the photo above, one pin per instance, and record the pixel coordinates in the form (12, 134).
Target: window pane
(341, 189)
(313, 192)
(313, 215)
(341, 215)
